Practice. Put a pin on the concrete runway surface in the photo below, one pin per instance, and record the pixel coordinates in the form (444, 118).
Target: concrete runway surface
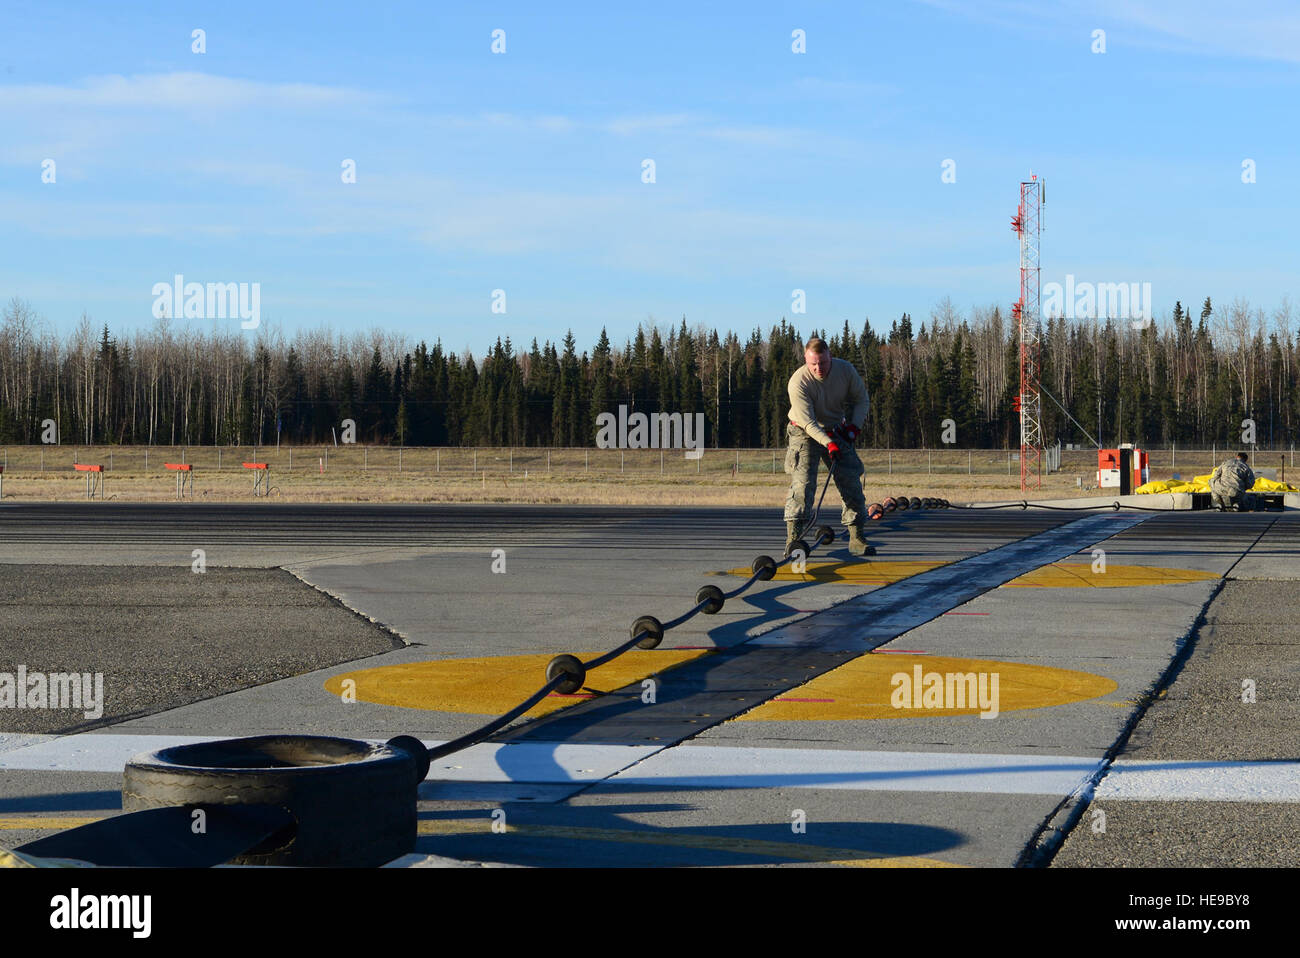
(992, 688)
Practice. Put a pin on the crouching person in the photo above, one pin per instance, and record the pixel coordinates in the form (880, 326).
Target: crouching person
(1230, 485)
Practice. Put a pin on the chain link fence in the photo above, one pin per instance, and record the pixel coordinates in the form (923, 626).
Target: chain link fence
(355, 460)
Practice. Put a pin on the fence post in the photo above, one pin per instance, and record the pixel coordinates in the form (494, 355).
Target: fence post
(437, 460)
(928, 457)
(512, 459)
(968, 454)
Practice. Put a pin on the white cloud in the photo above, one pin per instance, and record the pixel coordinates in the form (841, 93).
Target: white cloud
(178, 91)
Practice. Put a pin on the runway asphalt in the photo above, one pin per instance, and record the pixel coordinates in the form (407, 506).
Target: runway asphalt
(773, 733)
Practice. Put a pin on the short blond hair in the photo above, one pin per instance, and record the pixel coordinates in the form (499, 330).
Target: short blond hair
(817, 345)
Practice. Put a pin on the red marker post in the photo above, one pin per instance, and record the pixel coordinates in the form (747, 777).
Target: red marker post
(184, 477)
(261, 487)
(94, 479)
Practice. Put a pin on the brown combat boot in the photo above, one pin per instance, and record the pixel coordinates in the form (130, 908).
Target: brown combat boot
(791, 534)
(858, 544)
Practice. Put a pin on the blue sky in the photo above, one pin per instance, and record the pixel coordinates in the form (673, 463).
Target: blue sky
(522, 171)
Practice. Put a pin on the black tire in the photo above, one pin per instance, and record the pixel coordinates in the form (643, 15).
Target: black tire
(711, 595)
(570, 666)
(353, 802)
(653, 628)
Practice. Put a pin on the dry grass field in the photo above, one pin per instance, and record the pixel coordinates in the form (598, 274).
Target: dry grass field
(577, 476)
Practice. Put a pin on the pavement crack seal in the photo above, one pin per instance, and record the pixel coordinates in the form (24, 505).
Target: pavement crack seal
(399, 641)
(1051, 834)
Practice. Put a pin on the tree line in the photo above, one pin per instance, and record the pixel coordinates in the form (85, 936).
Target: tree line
(1183, 379)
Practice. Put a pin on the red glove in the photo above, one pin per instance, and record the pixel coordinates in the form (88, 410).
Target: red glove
(848, 432)
(833, 450)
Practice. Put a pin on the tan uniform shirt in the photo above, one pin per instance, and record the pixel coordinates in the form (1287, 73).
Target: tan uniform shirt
(819, 405)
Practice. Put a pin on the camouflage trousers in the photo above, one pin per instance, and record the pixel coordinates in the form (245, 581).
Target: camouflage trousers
(802, 459)
(1244, 501)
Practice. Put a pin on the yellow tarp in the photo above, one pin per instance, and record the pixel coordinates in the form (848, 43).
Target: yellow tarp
(1202, 484)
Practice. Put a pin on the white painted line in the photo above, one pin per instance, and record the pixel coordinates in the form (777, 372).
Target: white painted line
(537, 762)
(11, 741)
(711, 766)
(91, 753)
(531, 762)
(1201, 782)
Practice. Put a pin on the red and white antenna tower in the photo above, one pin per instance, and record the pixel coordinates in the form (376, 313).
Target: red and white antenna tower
(1026, 313)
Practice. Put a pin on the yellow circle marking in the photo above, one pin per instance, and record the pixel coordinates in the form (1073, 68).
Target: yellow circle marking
(864, 573)
(848, 857)
(1058, 575)
(1061, 575)
(495, 684)
(869, 686)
